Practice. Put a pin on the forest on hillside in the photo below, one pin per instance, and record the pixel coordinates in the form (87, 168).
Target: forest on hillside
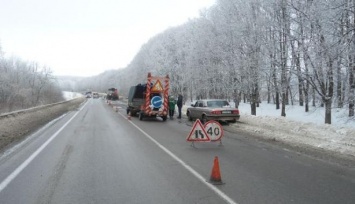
(280, 51)
(25, 84)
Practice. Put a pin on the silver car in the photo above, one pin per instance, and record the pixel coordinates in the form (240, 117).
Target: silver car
(213, 109)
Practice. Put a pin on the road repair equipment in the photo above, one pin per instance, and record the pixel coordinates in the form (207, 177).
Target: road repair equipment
(151, 99)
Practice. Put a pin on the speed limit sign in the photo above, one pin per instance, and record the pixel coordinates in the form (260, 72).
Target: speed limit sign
(214, 130)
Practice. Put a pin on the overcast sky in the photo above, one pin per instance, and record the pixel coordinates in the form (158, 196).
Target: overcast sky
(87, 37)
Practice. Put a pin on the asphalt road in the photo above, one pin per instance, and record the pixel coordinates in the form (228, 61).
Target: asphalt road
(97, 155)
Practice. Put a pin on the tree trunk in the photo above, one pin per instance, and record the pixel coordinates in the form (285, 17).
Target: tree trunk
(254, 99)
(352, 68)
(352, 87)
(306, 100)
(287, 100)
(291, 97)
(283, 106)
(277, 93)
(339, 85)
(283, 56)
(307, 78)
(300, 80)
(268, 92)
(328, 111)
(253, 108)
(313, 97)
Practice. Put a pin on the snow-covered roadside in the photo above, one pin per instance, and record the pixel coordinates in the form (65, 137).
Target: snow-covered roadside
(71, 95)
(17, 125)
(299, 128)
(327, 137)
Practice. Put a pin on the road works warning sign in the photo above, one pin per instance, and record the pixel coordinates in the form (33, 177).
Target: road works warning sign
(198, 133)
(157, 86)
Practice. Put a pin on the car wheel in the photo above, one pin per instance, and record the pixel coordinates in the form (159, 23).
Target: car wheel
(189, 116)
(203, 119)
(233, 121)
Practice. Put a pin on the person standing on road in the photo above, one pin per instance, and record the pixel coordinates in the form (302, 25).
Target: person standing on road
(172, 103)
(179, 104)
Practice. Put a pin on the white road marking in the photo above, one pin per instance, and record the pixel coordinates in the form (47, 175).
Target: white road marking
(20, 168)
(186, 166)
(24, 142)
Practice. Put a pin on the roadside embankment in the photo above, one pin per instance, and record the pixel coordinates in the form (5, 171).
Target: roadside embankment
(16, 125)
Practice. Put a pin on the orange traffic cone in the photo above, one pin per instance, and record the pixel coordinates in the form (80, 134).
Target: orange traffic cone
(216, 174)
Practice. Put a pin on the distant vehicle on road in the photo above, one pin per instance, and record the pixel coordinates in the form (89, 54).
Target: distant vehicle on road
(136, 99)
(95, 95)
(88, 94)
(213, 109)
(112, 94)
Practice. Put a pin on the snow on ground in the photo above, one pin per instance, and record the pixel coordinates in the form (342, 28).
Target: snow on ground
(300, 128)
(68, 95)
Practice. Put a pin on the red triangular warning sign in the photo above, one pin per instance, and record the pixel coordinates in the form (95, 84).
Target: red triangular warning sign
(157, 86)
(198, 133)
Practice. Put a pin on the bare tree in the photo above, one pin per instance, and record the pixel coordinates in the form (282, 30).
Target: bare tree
(22, 85)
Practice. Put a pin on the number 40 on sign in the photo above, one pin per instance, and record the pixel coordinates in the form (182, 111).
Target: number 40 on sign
(211, 131)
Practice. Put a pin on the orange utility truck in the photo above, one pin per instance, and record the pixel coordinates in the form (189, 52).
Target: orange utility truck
(150, 99)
